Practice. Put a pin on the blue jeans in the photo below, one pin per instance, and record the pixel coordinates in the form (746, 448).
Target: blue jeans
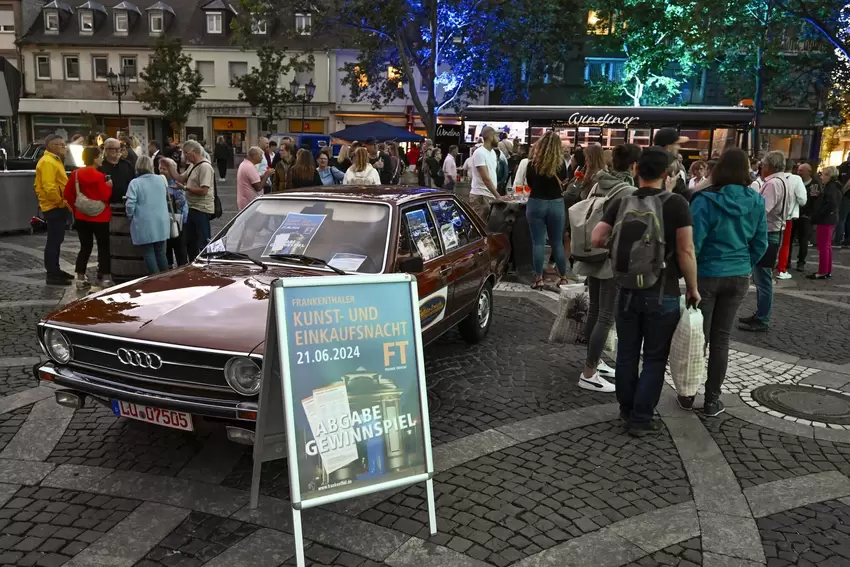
(154, 254)
(641, 320)
(197, 229)
(546, 216)
(57, 223)
(763, 278)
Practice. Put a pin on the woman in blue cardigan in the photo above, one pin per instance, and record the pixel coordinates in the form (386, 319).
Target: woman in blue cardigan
(147, 207)
(730, 237)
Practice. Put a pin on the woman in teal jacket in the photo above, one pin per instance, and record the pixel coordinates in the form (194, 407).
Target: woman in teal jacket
(730, 237)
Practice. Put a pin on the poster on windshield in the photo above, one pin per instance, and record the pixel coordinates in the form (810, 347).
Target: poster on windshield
(294, 234)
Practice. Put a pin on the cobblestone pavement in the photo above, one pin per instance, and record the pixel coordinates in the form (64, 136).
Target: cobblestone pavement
(813, 535)
(530, 470)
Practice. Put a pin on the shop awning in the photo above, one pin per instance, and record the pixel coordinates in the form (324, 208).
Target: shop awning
(381, 131)
(5, 100)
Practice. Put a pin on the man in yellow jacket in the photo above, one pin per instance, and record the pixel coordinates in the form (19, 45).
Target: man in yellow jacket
(50, 180)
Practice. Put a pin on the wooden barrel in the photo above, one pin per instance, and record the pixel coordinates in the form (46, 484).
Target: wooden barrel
(127, 260)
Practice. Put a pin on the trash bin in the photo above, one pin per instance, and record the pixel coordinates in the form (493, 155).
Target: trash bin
(127, 259)
(509, 217)
(18, 201)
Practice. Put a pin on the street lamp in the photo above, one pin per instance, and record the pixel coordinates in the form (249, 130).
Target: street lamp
(118, 85)
(309, 92)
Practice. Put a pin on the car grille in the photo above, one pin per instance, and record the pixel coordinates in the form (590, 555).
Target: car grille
(150, 364)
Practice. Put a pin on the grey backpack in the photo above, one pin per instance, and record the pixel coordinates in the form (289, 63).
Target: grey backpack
(637, 250)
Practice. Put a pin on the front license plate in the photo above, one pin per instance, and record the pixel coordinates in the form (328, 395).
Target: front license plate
(167, 418)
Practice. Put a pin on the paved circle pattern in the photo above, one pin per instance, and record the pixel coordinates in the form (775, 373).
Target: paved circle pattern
(758, 455)
(685, 554)
(805, 402)
(814, 535)
(48, 526)
(523, 499)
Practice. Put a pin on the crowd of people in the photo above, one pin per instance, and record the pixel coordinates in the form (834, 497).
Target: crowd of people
(721, 222)
(168, 195)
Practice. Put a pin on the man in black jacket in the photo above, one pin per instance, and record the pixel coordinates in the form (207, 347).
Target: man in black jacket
(380, 161)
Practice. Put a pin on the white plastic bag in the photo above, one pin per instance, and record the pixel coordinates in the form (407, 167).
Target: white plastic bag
(687, 354)
(611, 343)
(572, 311)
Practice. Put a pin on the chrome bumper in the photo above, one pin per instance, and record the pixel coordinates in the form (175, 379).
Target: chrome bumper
(105, 390)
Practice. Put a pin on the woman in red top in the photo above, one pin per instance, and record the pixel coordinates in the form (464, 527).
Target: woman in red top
(95, 186)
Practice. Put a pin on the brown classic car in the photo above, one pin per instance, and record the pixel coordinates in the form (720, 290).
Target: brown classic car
(189, 342)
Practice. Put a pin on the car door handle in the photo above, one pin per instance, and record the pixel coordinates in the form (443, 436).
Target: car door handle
(480, 251)
(445, 271)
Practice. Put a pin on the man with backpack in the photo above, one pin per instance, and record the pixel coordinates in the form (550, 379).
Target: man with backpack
(651, 235)
(595, 264)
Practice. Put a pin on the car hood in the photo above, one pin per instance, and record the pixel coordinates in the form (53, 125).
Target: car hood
(220, 307)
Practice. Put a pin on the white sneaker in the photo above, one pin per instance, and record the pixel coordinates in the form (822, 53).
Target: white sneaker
(783, 276)
(604, 370)
(595, 383)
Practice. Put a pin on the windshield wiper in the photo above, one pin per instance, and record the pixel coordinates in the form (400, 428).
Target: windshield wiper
(235, 255)
(307, 261)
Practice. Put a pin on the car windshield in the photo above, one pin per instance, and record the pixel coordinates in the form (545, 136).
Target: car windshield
(348, 235)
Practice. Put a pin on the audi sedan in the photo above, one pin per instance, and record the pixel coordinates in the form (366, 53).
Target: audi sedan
(187, 344)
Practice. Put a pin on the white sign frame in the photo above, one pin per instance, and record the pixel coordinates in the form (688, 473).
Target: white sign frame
(270, 442)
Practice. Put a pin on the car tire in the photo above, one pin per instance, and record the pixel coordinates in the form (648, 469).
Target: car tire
(477, 324)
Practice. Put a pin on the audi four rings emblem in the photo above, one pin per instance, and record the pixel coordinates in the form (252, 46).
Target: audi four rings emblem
(139, 358)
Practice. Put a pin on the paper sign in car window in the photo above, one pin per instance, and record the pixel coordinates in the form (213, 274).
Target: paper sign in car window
(347, 262)
(420, 234)
(449, 235)
(216, 246)
(294, 234)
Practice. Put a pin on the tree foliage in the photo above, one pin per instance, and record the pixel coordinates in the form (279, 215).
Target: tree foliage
(262, 86)
(172, 84)
(533, 43)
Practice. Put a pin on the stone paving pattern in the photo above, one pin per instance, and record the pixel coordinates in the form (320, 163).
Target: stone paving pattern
(791, 331)
(18, 291)
(513, 375)
(758, 455)
(17, 329)
(14, 379)
(685, 554)
(523, 499)
(817, 535)
(198, 539)
(47, 526)
(96, 437)
(322, 556)
(10, 423)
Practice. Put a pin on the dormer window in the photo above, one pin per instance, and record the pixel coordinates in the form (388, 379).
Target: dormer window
(122, 22)
(160, 16)
(51, 21)
(86, 21)
(302, 23)
(157, 22)
(214, 22)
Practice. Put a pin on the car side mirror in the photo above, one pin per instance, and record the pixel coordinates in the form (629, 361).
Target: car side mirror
(411, 265)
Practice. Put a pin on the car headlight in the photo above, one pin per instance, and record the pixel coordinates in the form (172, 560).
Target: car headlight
(57, 346)
(243, 375)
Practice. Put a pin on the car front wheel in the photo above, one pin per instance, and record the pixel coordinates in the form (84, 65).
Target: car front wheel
(476, 325)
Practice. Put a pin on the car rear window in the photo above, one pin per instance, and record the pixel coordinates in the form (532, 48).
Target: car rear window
(348, 235)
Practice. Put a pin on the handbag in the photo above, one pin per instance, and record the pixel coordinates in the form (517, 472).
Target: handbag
(174, 224)
(88, 207)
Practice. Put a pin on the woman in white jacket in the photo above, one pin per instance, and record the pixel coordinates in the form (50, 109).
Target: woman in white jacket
(361, 171)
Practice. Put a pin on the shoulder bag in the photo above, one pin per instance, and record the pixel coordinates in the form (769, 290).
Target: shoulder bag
(771, 255)
(88, 207)
(174, 224)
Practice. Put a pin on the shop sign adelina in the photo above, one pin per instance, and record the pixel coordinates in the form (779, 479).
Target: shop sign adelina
(448, 131)
(606, 120)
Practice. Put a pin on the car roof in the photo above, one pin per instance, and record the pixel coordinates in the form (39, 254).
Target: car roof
(364, 193)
